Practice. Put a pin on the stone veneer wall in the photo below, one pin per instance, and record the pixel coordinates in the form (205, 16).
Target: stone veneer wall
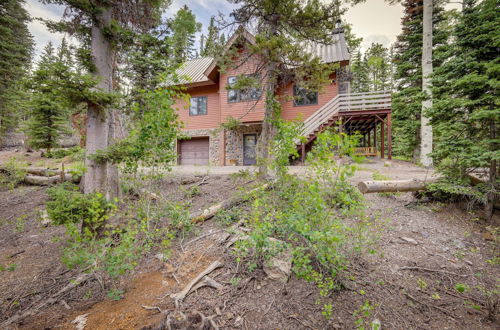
(234, 143)
(214, 141)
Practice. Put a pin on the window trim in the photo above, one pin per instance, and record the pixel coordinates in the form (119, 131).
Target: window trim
(198, 106)
(295, 87)
(238, 93)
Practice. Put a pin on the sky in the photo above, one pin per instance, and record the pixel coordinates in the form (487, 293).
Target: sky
(374, 21)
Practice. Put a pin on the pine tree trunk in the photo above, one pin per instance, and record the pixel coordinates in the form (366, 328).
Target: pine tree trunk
(492, 195)
(100, 176)
(267, 133)
(426, 128)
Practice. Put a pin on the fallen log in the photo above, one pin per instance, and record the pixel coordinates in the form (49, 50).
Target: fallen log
(49, 180)
(367, 187)
(227, 204)
(41, 171)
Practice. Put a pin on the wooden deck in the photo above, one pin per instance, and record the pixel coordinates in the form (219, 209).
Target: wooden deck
(364, 114)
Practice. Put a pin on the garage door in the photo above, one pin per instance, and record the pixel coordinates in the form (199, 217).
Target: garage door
(194, 151)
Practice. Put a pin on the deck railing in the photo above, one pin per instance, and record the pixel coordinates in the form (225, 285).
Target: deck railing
(378, 100)
(366, 151)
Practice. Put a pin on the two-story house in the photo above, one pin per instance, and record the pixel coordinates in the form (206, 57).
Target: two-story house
(212, 101)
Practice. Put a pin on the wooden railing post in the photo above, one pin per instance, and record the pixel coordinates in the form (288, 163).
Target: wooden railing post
(303, 153)
(389, 137)
(382, 139)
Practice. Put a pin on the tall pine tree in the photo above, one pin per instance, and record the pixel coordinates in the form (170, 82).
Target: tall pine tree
(184, 27)
(212, 44)
(16, 47)
(407, 100)
(49, 109)
(466, 112)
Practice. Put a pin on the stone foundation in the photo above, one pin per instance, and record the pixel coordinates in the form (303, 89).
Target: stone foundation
(233, 143)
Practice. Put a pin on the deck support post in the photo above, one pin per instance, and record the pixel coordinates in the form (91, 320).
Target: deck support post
(303, 153)
(382, 140)
(375, 136)
(389, 137)
(369, 138)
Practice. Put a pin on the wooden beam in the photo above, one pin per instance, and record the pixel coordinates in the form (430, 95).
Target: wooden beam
(382, 140)
(389, 137)
(303, 153)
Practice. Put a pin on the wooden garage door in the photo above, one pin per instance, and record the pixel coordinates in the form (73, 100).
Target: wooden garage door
(194, 151)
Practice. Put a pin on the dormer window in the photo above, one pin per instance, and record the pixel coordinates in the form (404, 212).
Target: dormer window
(198, 106)
(304, 97)
(242, 95)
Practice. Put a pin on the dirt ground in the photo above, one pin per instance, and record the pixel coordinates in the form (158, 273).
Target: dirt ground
(424, 252)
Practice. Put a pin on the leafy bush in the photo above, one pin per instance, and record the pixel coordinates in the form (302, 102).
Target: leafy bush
(76, 153)
(308, 216)
(68, 205)
(448, 191)
(12, 173)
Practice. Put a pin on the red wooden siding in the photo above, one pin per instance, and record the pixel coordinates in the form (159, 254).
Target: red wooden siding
(291, 112)
(211, 119)
(251, 111)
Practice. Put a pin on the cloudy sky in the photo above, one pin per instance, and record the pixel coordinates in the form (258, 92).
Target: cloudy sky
(375, 20)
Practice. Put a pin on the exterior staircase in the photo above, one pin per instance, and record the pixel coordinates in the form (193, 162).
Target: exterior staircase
(343, 104)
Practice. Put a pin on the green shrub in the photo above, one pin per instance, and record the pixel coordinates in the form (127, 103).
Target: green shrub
(12, 173)
(68, 205)
(228, 217)
(76, 153)
(447, 191)
(308, 216)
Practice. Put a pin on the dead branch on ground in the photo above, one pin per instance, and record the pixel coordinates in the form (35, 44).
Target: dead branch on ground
(34, 310)
(178, 297)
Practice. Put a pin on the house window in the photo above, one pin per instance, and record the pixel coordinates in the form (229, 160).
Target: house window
(198, 106)
(247, 94)
(304, 97)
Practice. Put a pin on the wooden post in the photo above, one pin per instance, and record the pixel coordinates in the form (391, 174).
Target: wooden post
(303, 154)
(382, 139)
(369, 138)
(375, 136)
(389, 137)
(341, 125)
(223, 145)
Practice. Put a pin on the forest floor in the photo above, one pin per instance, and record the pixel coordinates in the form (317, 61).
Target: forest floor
(426, 254)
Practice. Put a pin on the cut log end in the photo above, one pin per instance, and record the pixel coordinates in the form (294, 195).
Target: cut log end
(367, 187)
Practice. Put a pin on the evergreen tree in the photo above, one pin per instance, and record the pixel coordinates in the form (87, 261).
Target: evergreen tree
(103, 26)
(371, 71)
(407, 100)
(466, 112)
(16, 48)
(359, 69)
(184, 27)
(147, 56)
(49, 113)
(211, 44)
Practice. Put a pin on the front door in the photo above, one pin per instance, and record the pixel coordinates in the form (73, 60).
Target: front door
(249, 152)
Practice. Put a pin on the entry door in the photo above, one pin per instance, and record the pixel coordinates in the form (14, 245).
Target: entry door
(249, 146)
